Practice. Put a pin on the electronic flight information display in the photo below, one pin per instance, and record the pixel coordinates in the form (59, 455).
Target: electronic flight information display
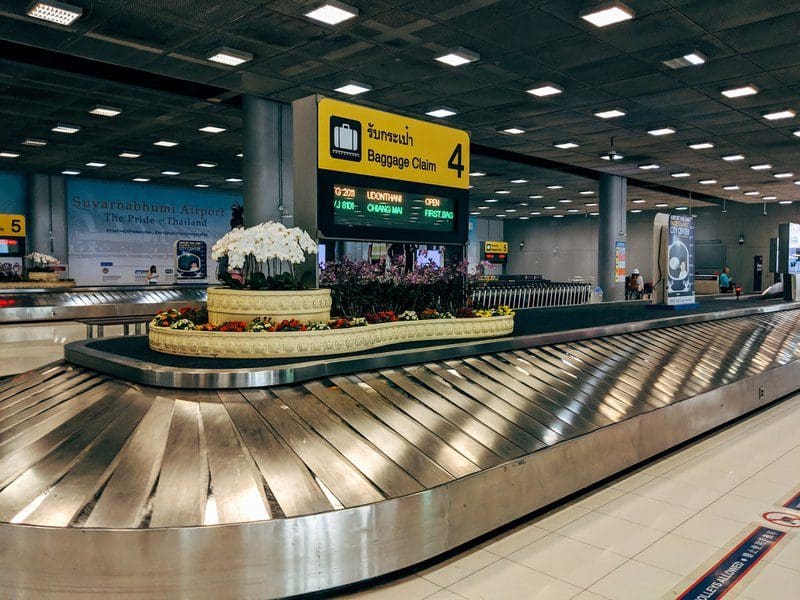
(373, 207)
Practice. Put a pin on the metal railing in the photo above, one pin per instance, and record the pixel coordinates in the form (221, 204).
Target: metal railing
(531, 294)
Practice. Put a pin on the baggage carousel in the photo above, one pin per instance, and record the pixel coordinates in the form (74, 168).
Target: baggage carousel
(335, 472)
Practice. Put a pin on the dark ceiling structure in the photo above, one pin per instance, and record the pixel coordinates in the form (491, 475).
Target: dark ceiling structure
(148, 57)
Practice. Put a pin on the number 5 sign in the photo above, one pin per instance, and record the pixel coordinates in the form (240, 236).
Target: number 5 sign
(12, 225)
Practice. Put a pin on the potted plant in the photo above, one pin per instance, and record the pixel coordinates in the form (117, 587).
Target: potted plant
(42, 267)
(259, 276)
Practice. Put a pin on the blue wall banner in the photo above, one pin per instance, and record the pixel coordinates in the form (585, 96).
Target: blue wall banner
(117, 231)
(13, 193)
(680, 260)
(720, 578)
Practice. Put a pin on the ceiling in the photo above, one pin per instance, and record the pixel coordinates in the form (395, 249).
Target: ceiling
(147, 57)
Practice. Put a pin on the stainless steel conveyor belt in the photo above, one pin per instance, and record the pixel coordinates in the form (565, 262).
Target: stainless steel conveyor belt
(331, 481)
(85, 303)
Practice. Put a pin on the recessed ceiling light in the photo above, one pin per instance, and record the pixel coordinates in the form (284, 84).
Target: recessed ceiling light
(783, 175)
(612, 155)
(536, 212)
(170, 172)
(558, 216)
(785, 202)
(680, 174)
(7, 154)
(636, 210)
(566, 145)
(681, 208)
(797, 182)
(610, 113)
(522, 204)
(458, 56)
(607, 13)
(730, 188)
(780, 114)
(510, 210)
(524, 218)
(477, 174)
(689, 59)
(761, 167)
(54, 12)
(555, 187)
(333, 12)
(573, 210)
(95, 164)
(738, 92)
(229, 56)
(483, 207)
(491, 200)
(127, 154)
(105, 111)
(662, 205)
(661, 131)
(441, 112)
(141, 179)
(546, 89)
(34, 142)
(586, 192)
(500, 215)
(201, 185)
(591, 204)
(240, 155)
(519, 181)
(649, 166)
(474, 213)
(752, 193)
(64, 128)
(207, 165)
(593, 214)
(354, 88)
(502, 191)
(166, 143)
(213, 129)
(707, 181)
(70, 172)
(565, 201)
(511, 130)
(770, 198)
(638, 201)
(535, 196)
(701, 145)
(470, 186)
(733, 157)
(550, 207)
(233, 180)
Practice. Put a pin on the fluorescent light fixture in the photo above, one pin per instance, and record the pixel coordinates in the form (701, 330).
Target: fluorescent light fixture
(649, 166)
(550, 207)
(566, 145)
(586, 192)
(638, 201)
(96, 164)
(201, 185)
(65, 128)
(491, 200)
(610, 113)
(474, 213)
(164, 143)
(229, 56)
(539, 196)
(555, 187)
(558, 216)
(70, 172)
(701, 145)
(233, 180)
(780, 114)
(477, 174)
(141, 179)
(661, 131)
(761, 167)
(797, 182)
(593, 214)
(354, 88)
(680, 174)
(127, 154)
(500, 215)
(213, 129)
(240, 155)
(752, 193)
(738, 92)
(612, 156)
(783, 175)
(707, 181)
(662, 205)
(502, 191)
(573, 210)
(590, 204)
(511, 130)
(636, 210)
(691, 59)
(785, 202)
(546, 89)
(524, 218)
(7, 154)
(483, 207)
(510, 210)
(458, 56)
(522, 204)
(332, 12)
(470, 186)
(730, 188)
(519, 181)
(207, 165)
(441, 112)
(796, 133)
(105, 111)
(170, 172)
(34, 142)
(681, 208)
(770, 198)
(564, 201)
(607, 13)
(60, 13)
(733, 157)
(536, 213)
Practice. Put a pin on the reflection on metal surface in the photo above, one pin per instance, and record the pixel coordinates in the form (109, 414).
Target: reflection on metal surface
(272, 492)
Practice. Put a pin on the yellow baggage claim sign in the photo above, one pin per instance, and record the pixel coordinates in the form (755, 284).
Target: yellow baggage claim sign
(364, 141)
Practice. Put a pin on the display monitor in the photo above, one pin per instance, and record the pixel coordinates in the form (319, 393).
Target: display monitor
(9, 247)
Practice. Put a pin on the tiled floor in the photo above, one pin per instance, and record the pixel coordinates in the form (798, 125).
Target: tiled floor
(647, 536)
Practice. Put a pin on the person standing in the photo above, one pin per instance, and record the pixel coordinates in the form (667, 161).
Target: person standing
(725, 281)
(152, 275)
(636, 285)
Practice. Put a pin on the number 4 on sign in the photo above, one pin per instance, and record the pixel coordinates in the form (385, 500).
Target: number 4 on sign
(455, 161)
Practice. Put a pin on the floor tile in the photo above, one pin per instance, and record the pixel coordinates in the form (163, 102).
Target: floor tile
(787, 552)
(677, 492)
(599, 498)
(558, 518)
(737, 508)
(632, 482)
(514, 540)
(680, 555)
(636, 581)
(573, 561)
(445, 595)
(769, 580)
(709, 477)
(409, 588)
(458, 567)
(714, 530)
(648, 511)
(611, 533)
(587, 595)
(764, 491)
(512, 581)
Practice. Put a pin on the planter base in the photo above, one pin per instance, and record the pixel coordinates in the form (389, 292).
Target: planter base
(226, 304)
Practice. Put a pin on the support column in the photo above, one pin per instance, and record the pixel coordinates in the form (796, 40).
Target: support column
(47, 216)
(613, 229)
(267, 167)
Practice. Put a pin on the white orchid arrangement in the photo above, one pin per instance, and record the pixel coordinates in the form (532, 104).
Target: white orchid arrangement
(269, 245)
(40, 259)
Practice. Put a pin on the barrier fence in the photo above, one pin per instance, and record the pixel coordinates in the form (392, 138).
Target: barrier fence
(531, 294)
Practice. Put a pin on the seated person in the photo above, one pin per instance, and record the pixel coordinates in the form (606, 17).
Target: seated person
(725, 281)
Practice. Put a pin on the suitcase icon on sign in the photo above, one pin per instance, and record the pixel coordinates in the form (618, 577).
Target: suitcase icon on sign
(345, 142)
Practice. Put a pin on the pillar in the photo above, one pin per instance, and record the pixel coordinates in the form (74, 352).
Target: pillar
(613, 229)
(47, 216)
(267, 161)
